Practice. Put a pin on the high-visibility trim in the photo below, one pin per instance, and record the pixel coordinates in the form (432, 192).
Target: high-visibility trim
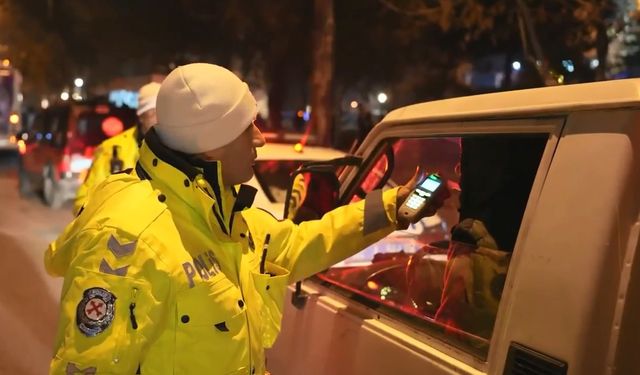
(375, 216)
(106, 268)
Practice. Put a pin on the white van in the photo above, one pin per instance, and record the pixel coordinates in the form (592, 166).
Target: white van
(551, 177)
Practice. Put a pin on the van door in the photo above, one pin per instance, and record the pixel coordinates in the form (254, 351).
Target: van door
(425, 300)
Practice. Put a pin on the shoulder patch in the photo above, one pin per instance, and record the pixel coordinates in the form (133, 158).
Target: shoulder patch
(72, 368)
(106, 268)
(120, 249)
(95, 311)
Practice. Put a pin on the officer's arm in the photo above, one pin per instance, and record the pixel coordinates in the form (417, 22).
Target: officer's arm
(114, 300)
(315, 245)
(98, 171)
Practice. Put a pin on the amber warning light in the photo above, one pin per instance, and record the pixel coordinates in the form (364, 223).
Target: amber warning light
(14, 118)
(22, 147)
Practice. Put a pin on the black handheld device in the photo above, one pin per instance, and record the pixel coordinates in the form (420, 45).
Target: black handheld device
(420, 196)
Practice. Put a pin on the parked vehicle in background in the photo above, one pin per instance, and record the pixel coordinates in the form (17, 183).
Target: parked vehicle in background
(56, 147)
(546, 280)
(10, 105)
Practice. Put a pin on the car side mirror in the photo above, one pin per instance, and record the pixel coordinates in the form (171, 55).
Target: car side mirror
(312, 194)
(314, 191)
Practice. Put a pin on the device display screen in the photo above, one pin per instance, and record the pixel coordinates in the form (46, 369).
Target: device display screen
(424, 191)
(430, 184)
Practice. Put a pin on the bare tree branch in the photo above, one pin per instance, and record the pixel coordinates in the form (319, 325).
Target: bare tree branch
(420, 10)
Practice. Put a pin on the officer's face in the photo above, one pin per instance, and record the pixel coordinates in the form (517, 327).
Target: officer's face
(237, 158)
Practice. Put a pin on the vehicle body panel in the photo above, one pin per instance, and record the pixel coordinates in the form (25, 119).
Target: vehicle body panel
(572, 288)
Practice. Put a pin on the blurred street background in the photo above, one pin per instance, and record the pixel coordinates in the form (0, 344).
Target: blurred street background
(28, 297)
(324, 73)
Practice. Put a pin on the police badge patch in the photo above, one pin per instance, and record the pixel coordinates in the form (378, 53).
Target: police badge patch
(95, 311)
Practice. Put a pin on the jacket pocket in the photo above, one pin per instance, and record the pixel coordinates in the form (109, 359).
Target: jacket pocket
(272, 288)
(97, 326)
(211, 329)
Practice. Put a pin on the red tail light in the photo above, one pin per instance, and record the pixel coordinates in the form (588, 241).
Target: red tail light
(88, 151)
(75, 162)
(112, 126)
(65, 162)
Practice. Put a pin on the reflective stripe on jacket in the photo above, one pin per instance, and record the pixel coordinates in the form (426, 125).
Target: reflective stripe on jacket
(174, 258)
(126, 144)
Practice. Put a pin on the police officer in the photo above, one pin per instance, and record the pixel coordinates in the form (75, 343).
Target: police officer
(167, 270)
(120, 152)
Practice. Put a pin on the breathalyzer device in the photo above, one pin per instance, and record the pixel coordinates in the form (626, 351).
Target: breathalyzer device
(420, 196)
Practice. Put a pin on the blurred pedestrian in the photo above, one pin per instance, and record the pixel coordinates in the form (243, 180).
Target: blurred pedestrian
(365, 122)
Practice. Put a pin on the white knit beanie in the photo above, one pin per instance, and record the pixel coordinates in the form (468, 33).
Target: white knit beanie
(147, 96)
(202, 107)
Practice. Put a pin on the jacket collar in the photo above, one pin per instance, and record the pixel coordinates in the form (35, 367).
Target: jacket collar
(197, 183)
(137, 134)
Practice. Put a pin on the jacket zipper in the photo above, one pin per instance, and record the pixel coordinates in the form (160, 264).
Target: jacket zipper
(134, 324)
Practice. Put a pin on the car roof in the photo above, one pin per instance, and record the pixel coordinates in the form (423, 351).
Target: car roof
(282, 151)
(550, 100)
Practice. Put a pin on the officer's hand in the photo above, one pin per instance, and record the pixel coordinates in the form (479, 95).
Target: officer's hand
(436, 202)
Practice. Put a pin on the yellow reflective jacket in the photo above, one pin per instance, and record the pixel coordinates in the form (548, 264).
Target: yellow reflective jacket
(162, 270)
(125, 145)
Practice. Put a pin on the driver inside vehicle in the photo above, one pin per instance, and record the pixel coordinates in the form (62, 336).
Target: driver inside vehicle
(473, 280)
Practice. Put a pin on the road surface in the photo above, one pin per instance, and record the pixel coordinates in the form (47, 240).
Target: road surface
(28, 296)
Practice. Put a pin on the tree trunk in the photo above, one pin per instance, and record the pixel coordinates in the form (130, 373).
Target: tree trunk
(602, 49)
(322, 71)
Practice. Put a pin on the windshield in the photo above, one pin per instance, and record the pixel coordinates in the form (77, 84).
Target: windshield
(274, 177)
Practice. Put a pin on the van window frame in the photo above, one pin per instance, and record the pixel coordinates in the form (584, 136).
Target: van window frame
(351, 178)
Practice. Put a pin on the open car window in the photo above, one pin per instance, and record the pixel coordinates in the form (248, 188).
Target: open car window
(444, 275)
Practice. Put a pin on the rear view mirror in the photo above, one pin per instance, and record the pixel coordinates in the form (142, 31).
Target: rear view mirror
(314, 189)
(379, 174)
(312, 194)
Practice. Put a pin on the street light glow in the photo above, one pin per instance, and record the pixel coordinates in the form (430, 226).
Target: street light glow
(78, 82)
(354, 104)
(593, 64)
(44, 103)
(382, 98)
(64, 96)
(14, 118)
(6, 63)
(516, 65)
(568, 64)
